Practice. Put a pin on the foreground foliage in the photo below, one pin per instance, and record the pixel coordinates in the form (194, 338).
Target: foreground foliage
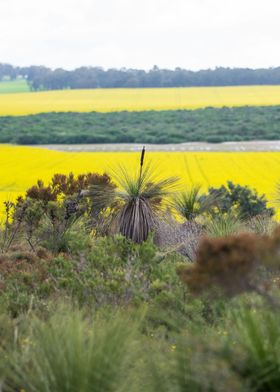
(79, 350)
(85, 309)
(116, 317)
(111, 271)
(70, 352)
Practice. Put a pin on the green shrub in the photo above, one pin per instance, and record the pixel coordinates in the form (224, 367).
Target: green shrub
(189, 364)
(244, 201)
(109, 270)
(69, 352)
(255, 355)
(223, 225)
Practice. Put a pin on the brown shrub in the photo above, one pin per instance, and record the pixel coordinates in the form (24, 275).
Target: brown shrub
(62, 185)
(18, 265)
(44, 254)
(228, 263)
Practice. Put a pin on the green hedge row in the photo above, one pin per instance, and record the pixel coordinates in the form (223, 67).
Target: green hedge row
(203, 125)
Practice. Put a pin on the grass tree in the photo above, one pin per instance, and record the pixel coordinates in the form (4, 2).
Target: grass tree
(191, 203)
(140, 198)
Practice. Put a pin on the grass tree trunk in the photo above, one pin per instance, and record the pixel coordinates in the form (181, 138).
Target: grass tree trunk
(136, 220)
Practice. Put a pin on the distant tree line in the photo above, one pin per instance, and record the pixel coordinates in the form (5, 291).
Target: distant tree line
(43, 78)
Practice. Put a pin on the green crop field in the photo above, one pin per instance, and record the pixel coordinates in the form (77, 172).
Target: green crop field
(14, 86)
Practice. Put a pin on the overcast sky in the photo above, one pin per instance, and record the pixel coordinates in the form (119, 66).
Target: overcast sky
(193, 34)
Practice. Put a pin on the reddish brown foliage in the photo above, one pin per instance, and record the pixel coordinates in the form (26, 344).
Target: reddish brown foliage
(67, 185)
(24, 266)
(228, 263)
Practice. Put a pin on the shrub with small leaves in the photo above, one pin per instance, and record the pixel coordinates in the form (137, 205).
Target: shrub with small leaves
(228, 263)
(246, 202)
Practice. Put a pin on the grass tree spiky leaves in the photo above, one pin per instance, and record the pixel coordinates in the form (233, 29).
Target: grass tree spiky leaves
(141, 196)
(191, 203)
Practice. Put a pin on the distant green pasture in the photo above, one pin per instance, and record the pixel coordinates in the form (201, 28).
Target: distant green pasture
(13, 86)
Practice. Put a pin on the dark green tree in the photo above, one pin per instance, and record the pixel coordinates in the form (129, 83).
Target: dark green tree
(246, 202)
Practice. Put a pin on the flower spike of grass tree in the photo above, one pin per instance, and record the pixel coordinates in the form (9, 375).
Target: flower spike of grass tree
(141, 198)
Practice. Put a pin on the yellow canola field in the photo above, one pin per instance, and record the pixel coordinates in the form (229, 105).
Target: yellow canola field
(20, 167)
(110, 100)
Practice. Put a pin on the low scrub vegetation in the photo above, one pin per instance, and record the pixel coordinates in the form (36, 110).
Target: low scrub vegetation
(135, 286)
(178, 126)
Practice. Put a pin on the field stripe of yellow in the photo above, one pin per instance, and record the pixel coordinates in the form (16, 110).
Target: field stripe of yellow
(20, 167)
(110, 100)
